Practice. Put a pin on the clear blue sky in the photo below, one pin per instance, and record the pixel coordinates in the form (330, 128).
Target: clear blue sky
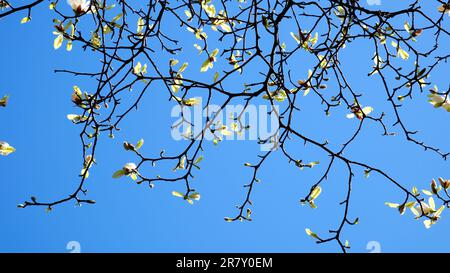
(132, 218)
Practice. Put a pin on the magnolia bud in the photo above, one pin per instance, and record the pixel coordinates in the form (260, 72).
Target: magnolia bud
(417, 32)
(129, 168)
(128, 146)
(444, 183)
(434, 186)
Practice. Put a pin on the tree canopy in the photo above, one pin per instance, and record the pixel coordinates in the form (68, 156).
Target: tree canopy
(254, 52)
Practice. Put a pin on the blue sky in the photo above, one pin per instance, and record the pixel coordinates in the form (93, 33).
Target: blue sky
(132, 218)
